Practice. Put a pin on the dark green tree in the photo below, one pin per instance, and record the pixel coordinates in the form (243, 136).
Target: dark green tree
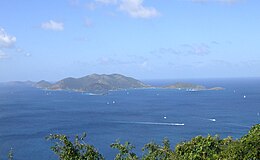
(199, 148)
(158, 152)
(247, 147)
(125, 151)
(77, 150)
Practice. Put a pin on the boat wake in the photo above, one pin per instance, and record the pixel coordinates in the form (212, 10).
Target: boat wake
(213, 120)
(152, 123)
(208, 119)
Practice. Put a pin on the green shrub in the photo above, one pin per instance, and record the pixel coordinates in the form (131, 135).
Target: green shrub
(77, 150)
(125, 151)
(158, 152)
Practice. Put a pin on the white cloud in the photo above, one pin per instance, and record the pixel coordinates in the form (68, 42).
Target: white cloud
(27, 54)
(107, 1)
(221, 1)
(19, 50)
(185, 49)
(144, 64)
(6, 41)
(126, 61)
(80, 39)
(99, 3)
(91, 6)
(136, 9)
(197, 49)
(3, 55)
(88, 23)
(74, 2)
(52, 25)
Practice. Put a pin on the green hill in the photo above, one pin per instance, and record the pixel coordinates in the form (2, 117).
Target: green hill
(191, 87)
(95, 83)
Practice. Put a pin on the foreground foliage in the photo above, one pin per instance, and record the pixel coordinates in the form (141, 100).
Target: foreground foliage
(77, 150)
(125, 151)
(198, 148)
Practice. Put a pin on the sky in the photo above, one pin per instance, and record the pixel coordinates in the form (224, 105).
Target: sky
(145, 39)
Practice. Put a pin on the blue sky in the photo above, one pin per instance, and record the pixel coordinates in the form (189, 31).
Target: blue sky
(146, 39)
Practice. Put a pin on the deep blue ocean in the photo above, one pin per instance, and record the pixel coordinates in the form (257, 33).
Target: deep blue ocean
(28, 115)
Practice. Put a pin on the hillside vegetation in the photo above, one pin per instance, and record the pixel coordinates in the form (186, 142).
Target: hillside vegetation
(198, 148)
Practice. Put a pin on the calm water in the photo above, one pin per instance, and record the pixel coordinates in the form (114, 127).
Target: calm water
(27, 115)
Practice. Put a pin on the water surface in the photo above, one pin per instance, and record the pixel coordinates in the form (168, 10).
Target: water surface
(27, 115)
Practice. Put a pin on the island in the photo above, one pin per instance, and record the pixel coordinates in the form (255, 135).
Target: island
(94, 83)
(103, 83)
(191, 87)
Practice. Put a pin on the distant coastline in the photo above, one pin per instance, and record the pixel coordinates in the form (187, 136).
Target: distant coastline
(99, 84)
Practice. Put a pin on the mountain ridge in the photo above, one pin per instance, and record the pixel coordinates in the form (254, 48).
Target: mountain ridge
(103, 83)
(94, 83)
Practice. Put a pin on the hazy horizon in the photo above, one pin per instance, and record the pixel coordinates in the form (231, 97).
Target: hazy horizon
(179, 39)
(143, 79)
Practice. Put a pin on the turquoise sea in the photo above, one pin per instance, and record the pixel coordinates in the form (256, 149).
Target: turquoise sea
(28, 114)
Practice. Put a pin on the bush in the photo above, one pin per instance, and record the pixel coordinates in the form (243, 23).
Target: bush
(248, 147)
(198, 148)
(77, 150)
(157, 152)
(125, 151)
